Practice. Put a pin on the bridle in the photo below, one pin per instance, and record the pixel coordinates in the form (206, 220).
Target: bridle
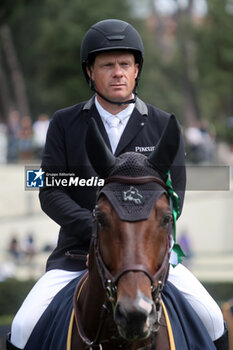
(110, 282)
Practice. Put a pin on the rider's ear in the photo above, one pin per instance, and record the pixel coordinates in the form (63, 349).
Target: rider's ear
(164, 154)
(100, 156)
(88, 71)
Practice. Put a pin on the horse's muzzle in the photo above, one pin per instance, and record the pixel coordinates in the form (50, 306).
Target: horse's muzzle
(135, 318)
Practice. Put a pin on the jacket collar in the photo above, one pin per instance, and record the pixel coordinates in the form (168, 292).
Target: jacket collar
(134, 125)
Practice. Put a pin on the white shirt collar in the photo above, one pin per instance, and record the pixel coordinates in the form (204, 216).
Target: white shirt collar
(123, 115)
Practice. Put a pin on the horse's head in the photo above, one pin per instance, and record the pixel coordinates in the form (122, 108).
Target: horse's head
(133, 229)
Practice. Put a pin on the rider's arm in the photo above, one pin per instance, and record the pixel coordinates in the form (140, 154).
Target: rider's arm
(56, 202)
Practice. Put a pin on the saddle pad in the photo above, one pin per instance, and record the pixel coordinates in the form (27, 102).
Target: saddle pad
(52, 329)
(188, 330)
(72, 320)
(50, 332)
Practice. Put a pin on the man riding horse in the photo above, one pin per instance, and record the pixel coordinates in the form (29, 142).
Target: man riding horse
(112, 56)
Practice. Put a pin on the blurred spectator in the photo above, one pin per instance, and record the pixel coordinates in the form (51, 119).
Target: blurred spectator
(185, 243)
(3, 142)
(13, 134)
(208, 136)
(26, 139)
(225, 154)
(48, 248)
(30, 248)
(230, 158)
(14, 248)
(40, 128)
(200, 142)
(229, 133)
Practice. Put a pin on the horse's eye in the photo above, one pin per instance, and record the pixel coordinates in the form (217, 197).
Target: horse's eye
(101, 219)
(166, 220)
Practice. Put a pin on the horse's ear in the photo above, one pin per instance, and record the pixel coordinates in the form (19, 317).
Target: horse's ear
(164, 154)
(101, 158)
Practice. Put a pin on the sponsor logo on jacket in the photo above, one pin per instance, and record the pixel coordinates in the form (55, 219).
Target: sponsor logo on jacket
(142, 149)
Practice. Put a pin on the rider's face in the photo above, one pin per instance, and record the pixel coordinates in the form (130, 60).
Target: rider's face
(114, 74)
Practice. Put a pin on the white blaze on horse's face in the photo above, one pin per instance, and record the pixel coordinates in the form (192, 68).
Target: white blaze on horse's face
(144, 303)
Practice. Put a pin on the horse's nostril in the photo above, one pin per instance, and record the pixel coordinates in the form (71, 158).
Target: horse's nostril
(120, 315)
(132, 321)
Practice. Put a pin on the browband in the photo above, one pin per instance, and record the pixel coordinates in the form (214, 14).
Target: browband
(139, 180)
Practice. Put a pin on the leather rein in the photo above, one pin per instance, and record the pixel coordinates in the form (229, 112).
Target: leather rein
(110, 282)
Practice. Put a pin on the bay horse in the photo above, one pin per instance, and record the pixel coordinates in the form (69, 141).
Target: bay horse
(124, 300)
(117, 303)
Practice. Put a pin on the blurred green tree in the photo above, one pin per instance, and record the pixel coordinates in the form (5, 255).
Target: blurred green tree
(215, 62)
(188, 62)
(12, 96)
(49, 35)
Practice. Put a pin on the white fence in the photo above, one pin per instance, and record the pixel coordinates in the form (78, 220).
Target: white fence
(207, 219)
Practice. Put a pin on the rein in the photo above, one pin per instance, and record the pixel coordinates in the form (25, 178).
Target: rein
(110, 282)
(95, 343)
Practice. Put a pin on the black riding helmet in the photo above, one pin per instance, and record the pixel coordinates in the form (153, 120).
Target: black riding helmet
(110, 35)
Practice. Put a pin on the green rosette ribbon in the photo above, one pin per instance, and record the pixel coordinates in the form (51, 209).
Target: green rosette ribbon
(176, 211)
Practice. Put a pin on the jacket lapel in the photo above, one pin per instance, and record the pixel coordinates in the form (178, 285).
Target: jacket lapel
(134, 126)
(93, 113)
